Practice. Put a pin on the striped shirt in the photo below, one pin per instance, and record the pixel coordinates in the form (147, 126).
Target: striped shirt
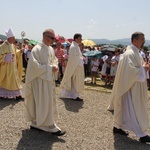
(59, 54)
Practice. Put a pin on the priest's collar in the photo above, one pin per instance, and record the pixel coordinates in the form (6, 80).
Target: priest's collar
(134, 47)
(7, 43)
(75, 43)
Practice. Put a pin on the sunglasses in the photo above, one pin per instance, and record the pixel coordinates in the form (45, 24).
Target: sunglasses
(50, 37)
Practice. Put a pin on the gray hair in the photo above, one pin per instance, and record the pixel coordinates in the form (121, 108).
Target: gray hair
(48, 31)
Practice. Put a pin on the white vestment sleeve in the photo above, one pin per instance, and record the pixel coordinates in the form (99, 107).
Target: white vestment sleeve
(81, 61)
(47, 74)
(142, 76)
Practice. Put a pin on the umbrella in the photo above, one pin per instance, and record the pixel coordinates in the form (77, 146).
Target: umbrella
(93, 53)
(33, 42)
(60, 39)
(3, 37)
(110, 49)
(65, 44)
(70, 40)
(88, 42)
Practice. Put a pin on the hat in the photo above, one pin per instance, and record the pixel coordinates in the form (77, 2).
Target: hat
(9, 33)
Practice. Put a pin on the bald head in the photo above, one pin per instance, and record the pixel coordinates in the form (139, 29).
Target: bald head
(48, 37)
(49, 32)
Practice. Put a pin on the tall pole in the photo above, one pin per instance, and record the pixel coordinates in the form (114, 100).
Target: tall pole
(23, 35)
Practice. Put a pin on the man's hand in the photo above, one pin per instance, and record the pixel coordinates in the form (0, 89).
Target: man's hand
(113, 63)
(146, 66)
(54, 68)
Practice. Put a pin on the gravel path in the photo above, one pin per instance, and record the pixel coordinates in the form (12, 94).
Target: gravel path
(88, 125)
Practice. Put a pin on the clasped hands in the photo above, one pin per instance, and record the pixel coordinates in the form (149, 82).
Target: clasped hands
(146, 66)
(9, 58)
(54, 68)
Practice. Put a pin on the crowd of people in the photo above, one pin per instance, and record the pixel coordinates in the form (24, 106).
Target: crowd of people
(49, 63)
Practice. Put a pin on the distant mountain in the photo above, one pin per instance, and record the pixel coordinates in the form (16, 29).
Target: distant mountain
(125, 41)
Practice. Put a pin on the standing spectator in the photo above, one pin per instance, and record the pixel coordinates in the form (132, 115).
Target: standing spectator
(28, 52)
(129, 95)
(104, 66)
(26, 55)
(65, 60)
(73, 80)
(65, 57)
(142, 54)
(59, 52)
(94, 69)
(86, 70)
(108, 67)
(66, 50)
(40, 97)
(114, 64)
(10, 68)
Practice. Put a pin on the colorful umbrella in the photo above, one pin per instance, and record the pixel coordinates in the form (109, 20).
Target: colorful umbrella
(60, 39)
(93, 53)
(33, 42)
(70, 40)
(88, 43)
(110, 49)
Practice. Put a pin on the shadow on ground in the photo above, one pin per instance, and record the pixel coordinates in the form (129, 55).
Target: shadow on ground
(37, 140)
(72, 105)
(4, 102)
(100, 87)
(127, 143)
(99, 84)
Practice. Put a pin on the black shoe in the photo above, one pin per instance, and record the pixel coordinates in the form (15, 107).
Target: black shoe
(57, 81)
(19, 98)
(23, 80)
(145, 139)
(78, 99)
(119, 131)
(34, 128)
(58, 133)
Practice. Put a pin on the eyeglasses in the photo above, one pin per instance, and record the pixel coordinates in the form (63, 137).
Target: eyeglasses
(50, 37)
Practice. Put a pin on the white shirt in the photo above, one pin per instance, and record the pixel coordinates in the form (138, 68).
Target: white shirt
(95, 65)
(142, 54)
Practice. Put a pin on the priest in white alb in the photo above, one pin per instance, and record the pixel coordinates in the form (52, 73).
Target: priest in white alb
(73, 79)
(129, 95)
(40, 95)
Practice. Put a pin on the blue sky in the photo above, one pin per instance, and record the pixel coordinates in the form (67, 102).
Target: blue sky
(94, 19)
